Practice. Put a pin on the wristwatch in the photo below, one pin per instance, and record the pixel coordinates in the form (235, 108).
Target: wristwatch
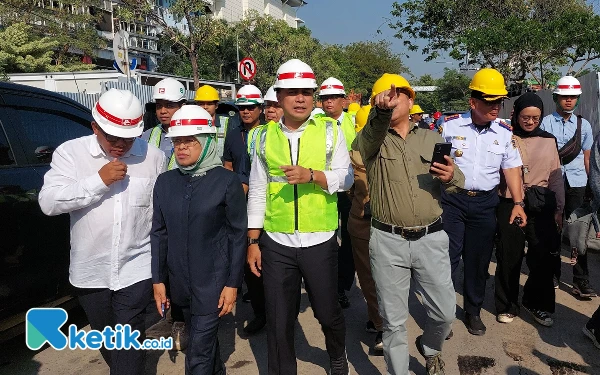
(521, 203)
(312, 175)
(252, 241)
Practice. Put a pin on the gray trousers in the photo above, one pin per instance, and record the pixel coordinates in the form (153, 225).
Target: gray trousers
(394, 261)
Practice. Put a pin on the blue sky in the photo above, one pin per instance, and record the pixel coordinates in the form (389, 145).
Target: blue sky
(347, 21)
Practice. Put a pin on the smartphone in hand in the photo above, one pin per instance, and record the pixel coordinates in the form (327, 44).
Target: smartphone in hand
(439, 151)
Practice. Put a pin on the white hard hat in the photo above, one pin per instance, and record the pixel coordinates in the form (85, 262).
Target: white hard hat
(248, 95)
(169, 89)
(332, 86)
(119, 113)
(190, 120)
(568, 85)
(271, 95)
(295, 74)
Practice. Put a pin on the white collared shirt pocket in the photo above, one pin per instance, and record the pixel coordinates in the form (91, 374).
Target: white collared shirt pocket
(494, 156)
(140, 191)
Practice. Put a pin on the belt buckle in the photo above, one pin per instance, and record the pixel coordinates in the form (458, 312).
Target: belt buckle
(413, 234)
(471, 193)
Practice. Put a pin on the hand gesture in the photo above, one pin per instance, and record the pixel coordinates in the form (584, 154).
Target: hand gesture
(518, 211)
(227, 300)
(160, 297)
(296, 174)
(254, 259)
(387, 99)
(445, 172)
(112, 172)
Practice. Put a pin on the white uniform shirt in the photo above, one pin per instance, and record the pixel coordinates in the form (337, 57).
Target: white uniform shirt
(480, 156)
(110, 225)
(339, 178)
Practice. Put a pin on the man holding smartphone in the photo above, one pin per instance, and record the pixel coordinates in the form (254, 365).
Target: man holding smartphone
(407, 238)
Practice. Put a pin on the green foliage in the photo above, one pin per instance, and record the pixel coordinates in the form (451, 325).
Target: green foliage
(517, 37)
(21, 51)
(452, 93)
(70, 26)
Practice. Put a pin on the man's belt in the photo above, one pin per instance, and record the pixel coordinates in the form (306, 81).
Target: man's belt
(475, 193)
(409, 233)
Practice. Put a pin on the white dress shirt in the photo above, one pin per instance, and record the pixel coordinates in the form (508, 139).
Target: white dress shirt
(339, 178)
(110, 225)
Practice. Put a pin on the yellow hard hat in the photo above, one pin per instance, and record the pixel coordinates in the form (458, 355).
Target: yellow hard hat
(353, 107)
(361, 117)
(207, 93)
(490, 83)
(386, 81)
(415, 109)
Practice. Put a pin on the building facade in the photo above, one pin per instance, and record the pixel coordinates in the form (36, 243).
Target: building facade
(235, 10)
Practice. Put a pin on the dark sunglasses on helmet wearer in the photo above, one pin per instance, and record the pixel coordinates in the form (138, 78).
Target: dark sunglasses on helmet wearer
(325, 98)
(167, 105)
(250, 108)
(114, 139)
(491, 103)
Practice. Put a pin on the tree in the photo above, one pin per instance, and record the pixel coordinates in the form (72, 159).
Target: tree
(21, 51)
(452, 92)
(69, 23)
(185, 23)
(429, 101)
(529, 37)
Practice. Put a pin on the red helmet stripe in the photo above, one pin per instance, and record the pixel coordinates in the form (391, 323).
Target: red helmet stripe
(566, 87)
(197, 121)
(116, 120)
(249, 96)
(292, 75)
(339, 87)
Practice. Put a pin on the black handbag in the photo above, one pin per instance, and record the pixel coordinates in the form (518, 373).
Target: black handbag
(539, 199)
(569, 151)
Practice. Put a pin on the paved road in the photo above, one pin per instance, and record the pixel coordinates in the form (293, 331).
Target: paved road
(521, 347)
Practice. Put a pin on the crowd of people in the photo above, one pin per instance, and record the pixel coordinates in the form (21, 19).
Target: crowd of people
(309, 198)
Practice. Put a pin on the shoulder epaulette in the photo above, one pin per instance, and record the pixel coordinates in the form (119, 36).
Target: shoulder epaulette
(505, 125)
(453, 117)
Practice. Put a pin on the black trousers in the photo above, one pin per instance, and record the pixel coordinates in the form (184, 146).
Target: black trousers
(345, 259)
(543, 239)
(203, 356)
(595, 320)
(255, 290)
(283, 268)
(107, 308)
(471, 224)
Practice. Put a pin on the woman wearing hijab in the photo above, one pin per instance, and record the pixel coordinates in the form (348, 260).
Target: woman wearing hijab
(198, 237)
(544, 202)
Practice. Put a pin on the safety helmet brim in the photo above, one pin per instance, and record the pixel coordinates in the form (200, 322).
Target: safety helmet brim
(135, 130)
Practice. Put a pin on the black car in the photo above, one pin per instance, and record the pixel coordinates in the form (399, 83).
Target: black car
(34, 248)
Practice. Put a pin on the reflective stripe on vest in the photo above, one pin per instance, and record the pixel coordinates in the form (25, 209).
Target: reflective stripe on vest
(224, 122)
(252, 137)
(155, 139)
(302, 207)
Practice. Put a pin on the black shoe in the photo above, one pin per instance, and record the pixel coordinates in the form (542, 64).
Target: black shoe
(255, 325)
(180, 336)
(540, 316)
(371, 327)
(343, 300)
(450, 335)
(377, 347)
(339, 366)
(474, 325)
(583, 289)
(246, 297)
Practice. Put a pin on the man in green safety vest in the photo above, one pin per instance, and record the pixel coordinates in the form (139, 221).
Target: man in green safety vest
(300, 164)
(169, 96)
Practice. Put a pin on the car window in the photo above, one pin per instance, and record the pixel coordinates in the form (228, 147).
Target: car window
(6, 154)
(42, 132)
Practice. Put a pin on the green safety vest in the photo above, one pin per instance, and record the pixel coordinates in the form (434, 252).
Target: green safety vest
(302, 207)
(347, 126)
(224, 122)
(253, 135)
(155, 138)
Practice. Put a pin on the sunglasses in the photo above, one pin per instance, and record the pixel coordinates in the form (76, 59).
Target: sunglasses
(114, 139)
(250, 108)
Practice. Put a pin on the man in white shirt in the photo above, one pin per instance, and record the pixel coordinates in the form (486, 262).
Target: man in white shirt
(105, 181)
(300, 163)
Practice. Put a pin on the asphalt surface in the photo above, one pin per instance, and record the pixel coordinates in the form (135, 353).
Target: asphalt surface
(521, 347)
